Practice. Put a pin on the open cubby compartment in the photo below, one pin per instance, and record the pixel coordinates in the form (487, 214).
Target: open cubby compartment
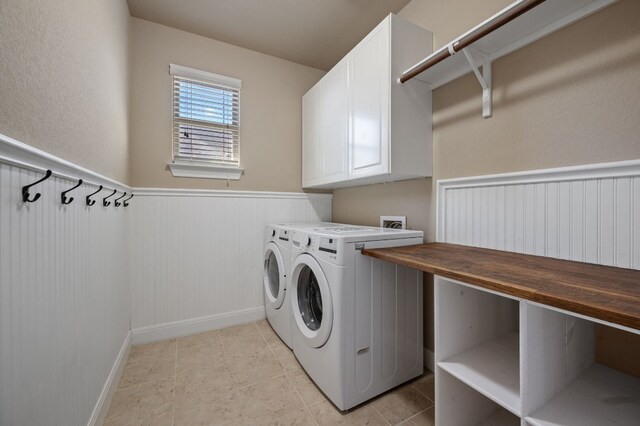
(477, 342)
(563, 384)
(464, 406)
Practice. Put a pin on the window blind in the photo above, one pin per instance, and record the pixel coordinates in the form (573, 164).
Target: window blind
(206, 119)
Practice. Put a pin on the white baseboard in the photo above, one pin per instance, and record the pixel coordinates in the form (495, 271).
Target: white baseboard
(110, 386)
(429, 359)
(175, 329)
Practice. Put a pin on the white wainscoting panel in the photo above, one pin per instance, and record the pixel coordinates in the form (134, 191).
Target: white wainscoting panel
(64, 298)
(199, 254)
(586, 213)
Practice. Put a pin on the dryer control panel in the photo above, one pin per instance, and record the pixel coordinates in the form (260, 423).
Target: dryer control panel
(328, 245)
(283, 235)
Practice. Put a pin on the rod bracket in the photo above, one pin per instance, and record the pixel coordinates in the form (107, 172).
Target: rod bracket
(485, 81)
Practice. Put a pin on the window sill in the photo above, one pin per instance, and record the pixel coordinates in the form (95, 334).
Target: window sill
(208, 171)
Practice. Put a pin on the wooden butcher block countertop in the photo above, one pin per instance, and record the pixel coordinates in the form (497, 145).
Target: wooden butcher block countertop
(607, 293)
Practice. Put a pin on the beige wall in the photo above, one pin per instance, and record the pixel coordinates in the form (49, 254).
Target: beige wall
(64, 80)
(570, 98)
(270, 108)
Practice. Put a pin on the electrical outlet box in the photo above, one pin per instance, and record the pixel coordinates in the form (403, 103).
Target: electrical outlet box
(394, 222)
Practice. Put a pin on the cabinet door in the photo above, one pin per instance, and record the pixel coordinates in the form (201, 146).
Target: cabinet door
(334, 124)
(369, 89)
(310, 127)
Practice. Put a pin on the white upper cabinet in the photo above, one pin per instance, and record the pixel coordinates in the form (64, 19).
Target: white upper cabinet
(334, 116)
(310, 157)
(370, 104)
(360, 125)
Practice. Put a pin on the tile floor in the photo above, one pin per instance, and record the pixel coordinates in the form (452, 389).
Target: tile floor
(244, 375)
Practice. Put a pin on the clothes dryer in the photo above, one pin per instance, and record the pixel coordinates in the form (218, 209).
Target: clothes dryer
(275, 276)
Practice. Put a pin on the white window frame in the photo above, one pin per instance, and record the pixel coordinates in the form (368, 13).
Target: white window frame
(196, 169)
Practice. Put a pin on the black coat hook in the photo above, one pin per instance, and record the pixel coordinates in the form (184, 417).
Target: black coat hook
(25, 189)
(104, 200)
(91, 202)
(116, 201)
(125, 203)
(63, 195)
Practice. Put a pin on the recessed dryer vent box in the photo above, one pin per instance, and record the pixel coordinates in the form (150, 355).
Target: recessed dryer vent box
(394, 222)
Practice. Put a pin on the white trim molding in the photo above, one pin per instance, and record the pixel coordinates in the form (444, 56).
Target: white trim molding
(206, 76)
(171, 192)
(19, 154)
(111, 385)
(207, 171)
(190, 326)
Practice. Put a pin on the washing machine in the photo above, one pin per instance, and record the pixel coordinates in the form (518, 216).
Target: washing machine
(276, 271)
(356, 320)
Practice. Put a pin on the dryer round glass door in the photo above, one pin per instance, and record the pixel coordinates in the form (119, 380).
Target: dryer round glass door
(311, 300)
(274, 276)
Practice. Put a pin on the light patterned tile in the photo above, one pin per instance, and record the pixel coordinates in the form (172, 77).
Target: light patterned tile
(244, 345)
(400, 404)
(299, 417)
(148, 403)
(258, 404)
(210, 339)
(270, 335)
(148, 369)
(307, 390)
(287, 359)
(205, 380)
(268, 401)
(152, 349)
(242, 330)
(326, 414)
(198, 357)
(255, 368)
(426, 385)
(424, 418)
(206, 408)
(264, 325)
(165, 419)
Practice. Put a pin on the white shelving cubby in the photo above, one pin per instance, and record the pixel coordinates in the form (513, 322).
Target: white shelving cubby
(477, 342)
(565, 386)
(502, 360)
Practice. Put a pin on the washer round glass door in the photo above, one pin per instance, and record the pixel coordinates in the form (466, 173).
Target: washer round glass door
(274, 276)
(311, 300)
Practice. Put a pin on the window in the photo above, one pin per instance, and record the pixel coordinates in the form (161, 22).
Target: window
(206, 124)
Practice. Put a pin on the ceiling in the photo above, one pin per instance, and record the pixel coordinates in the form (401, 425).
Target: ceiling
(317, 33)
